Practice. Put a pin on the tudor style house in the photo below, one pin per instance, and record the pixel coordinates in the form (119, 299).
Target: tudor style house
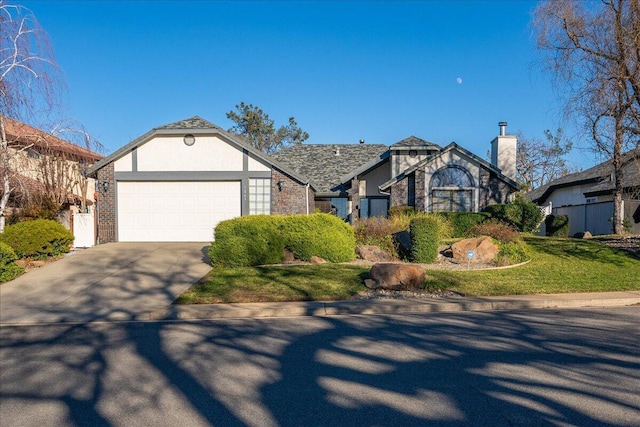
(178, 181)
(360, 180)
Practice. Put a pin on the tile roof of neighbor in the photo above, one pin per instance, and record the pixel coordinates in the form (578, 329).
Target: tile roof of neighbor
(597, 174)
(324, 164)
(24, 133)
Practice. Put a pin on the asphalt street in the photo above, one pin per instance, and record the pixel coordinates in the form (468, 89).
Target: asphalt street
(501, 368)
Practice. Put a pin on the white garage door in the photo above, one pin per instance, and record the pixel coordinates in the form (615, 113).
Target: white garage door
(174, 211)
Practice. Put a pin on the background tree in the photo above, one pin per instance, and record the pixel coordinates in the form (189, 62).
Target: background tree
(30, 81)
(592, 50)
(254, 126)
(539, 162)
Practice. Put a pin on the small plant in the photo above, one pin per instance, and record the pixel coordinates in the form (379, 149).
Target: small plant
(511, 253)
(9, 270)
(38, 239)
(461, 222)
(376, 231)
(424, 239)
(557, 225)
(498, 230)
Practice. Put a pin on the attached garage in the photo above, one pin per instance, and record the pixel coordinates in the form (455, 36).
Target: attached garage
(176, 182)
(175, 211)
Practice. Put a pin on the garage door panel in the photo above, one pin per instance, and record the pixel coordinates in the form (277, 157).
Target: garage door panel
(175, 211)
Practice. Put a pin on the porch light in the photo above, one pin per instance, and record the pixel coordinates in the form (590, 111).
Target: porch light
(280, 185)
(102, 186)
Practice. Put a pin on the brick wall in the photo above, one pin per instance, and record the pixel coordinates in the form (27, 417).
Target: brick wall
(292, 198)
(421, 193)
(107, 207)
(399, 193)
(492, 190)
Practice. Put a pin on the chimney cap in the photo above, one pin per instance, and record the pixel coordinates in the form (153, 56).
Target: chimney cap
(503, 128)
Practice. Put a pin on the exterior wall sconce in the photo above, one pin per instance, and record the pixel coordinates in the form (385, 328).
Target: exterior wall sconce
(280, 185)
(102, 186)
(189, 139)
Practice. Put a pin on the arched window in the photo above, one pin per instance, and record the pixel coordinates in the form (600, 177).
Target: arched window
(451, 190)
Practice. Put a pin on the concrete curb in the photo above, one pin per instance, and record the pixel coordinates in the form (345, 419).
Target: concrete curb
(391, 306)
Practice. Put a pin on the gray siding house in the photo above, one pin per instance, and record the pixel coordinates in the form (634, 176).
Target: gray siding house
(178, 181)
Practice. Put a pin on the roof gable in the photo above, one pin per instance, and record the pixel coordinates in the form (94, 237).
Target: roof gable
(414, 143)
(461, 151)
(199, 126)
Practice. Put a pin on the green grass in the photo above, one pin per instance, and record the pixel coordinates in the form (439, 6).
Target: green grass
(324, 282)
(557, 266)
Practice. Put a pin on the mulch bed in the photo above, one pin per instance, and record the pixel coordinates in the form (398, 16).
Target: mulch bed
(627, 244)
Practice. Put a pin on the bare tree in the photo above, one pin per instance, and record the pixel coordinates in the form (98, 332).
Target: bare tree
(593, 50)
(30, 80)
(539, 162)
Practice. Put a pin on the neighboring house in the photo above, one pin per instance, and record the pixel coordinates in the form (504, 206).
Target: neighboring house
(178, 181)
(360, 180)
(587, 196)
(42, 164)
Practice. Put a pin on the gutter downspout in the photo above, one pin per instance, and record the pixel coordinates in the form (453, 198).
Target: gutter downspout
(307, 197)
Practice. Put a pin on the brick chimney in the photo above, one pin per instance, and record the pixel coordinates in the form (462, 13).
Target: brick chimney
(503, 151)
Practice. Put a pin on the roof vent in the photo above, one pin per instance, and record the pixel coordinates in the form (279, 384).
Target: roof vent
(337, 151)
(362, 141)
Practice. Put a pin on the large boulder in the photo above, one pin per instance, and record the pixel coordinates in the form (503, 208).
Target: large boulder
(373, 254)
(395, 276)
(484, 250)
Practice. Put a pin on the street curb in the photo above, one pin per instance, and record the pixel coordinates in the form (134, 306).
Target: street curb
(390, 306)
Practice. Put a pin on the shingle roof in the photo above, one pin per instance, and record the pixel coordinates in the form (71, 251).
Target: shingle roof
(195, 122)
(597, 174)
(25, 134)
(324, 164)
(415, 142)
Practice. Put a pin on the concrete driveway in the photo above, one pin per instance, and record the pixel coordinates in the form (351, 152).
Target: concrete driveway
(115, 281)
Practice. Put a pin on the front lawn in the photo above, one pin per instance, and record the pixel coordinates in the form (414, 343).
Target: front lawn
(557, 266)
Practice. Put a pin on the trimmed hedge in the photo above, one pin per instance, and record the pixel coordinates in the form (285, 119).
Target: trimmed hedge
(248, 240)
(522, 214)
(9, 270)
(424, 239)
(323, 235)
(557, 225)
(40, 238)
(261, 239)
(461, 222)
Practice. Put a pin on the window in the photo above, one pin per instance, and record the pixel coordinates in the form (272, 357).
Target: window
(259, 196)
(374, 206)
(451, 190)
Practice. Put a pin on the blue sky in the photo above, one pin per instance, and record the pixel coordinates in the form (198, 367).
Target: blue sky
(378, 71)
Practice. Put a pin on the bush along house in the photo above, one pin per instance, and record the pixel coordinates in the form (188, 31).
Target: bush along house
(178, 181)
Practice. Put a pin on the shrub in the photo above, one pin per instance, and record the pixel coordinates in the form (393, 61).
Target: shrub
(261, 239)
(424, 239)
(401, 211)
(522, 214)
(461, 222)
(375, 231)
(498, 230)
(322, 235)
(511, 253)
(557, 225)
(9, 270)
(40, 238)
(248, 240)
